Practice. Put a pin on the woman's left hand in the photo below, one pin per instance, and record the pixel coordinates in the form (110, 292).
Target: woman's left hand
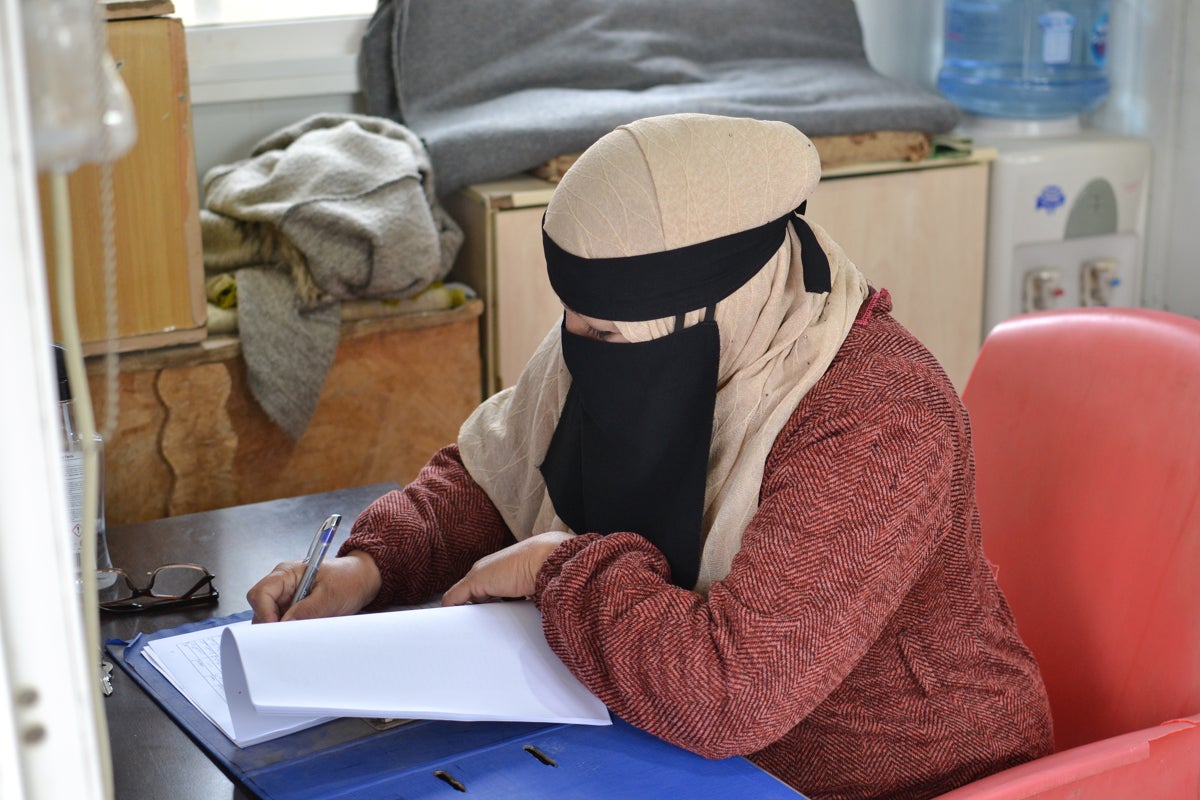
(511, 572)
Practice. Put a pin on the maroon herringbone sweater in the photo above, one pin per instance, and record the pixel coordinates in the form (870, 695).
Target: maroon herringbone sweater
(858, 648)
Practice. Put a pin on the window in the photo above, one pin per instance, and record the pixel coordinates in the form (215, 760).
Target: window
(253, 50)
(225, 12)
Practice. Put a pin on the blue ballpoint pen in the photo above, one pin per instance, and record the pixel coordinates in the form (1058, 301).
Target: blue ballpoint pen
(316, 554)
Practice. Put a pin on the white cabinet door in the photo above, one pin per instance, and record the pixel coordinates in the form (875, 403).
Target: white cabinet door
(920, 234)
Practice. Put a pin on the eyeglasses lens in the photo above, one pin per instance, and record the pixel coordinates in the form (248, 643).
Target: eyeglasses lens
(177, 581)
(170, 585)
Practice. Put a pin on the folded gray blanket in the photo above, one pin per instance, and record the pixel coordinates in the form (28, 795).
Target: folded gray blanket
(334, 207)
(495, 88)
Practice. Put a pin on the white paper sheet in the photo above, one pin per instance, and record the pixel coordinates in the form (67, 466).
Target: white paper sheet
(192, 663)
(478, 662)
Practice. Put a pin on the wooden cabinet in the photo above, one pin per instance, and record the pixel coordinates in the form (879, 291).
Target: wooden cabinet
(917, 230)
(921, 234)
(190, 436)
(501, 258)
(159, 270)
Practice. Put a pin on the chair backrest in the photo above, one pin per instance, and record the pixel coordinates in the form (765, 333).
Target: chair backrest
(1159, 762)
(1086, 427)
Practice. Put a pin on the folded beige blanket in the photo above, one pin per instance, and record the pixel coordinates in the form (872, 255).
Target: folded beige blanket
(334, 207)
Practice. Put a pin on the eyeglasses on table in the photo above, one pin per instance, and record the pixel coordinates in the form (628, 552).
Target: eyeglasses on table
(169, 586)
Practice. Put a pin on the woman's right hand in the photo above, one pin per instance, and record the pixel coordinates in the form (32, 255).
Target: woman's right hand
(342, 586)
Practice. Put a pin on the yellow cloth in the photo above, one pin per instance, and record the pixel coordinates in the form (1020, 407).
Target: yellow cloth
(221, 290)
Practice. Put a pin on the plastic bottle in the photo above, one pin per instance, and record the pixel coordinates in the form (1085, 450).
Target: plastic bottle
(1026, 59)
(80, 108)
(73, 475)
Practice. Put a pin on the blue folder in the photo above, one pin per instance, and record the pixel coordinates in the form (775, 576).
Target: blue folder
(350, 759)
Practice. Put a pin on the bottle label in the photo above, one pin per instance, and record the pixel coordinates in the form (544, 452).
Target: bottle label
(1057, 29)
(1099, 43)
(73, 473)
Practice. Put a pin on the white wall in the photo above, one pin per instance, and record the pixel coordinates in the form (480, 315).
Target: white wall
(227, 131)
(250, 80)
(1177, 211)
(1156, 96)
(904, 38)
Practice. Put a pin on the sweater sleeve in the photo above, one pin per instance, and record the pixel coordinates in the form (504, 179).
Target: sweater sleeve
(426, 536)
(853, 503)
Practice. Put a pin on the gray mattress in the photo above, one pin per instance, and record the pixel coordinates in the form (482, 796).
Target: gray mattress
(496, 87)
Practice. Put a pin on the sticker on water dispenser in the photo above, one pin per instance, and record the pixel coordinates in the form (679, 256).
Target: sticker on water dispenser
(1099, 43)
(1057, 29)
(1051, 198)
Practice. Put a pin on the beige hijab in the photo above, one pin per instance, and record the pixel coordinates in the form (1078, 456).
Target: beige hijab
(659, 184)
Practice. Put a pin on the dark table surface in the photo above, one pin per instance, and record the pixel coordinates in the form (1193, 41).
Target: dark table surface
(152, 757)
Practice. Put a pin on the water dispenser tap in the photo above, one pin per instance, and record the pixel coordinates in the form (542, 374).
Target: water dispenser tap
(1098, 278)
(1042, 289)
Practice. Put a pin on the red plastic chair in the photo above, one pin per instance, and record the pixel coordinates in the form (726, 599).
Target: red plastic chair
(1086, 427)
(1159, 763)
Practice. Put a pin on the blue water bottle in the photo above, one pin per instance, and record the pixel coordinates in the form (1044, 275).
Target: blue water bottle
(1026, 59)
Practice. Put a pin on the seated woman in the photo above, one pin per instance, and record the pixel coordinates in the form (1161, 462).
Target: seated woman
(741, 494)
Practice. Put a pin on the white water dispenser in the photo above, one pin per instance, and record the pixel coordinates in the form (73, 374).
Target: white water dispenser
(1066, 216)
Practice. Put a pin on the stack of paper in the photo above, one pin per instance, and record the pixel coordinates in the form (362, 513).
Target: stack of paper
(477, 662)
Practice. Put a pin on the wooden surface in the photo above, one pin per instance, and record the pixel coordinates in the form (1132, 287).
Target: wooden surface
(526, 305)
(191, 437)
(159, 276)
(152, 756)
(133, 9)
(865, 148)
(473, 266)
(921, 235)
(918, 231)
(835, 151)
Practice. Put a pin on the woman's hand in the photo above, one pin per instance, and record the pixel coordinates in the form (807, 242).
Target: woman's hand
(511, 572)
(342, 586)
